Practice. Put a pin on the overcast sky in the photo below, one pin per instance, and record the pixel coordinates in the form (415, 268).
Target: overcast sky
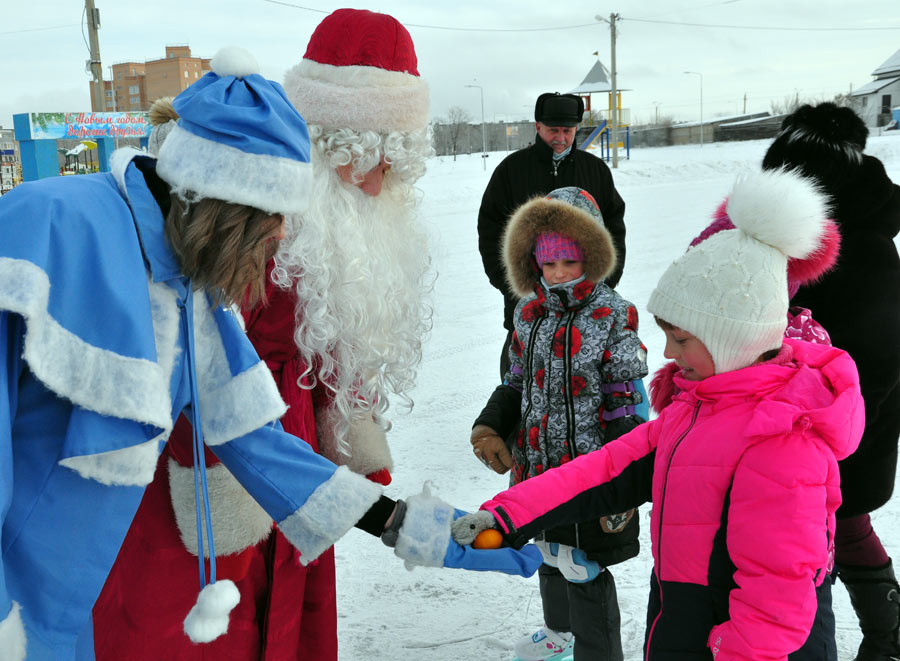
(764, 50)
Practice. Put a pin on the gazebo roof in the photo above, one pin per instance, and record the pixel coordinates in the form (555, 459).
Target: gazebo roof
(597, 80)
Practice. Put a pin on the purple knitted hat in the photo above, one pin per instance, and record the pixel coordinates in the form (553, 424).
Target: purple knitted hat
(552, 246)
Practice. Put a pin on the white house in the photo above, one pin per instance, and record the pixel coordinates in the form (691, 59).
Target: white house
(874, 101)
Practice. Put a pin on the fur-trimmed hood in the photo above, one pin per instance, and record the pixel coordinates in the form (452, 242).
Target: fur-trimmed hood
(541, 215)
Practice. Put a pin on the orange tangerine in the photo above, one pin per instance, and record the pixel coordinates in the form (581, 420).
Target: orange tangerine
(488, 539)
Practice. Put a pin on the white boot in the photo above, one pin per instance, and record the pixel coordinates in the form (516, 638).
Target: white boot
(545, 643)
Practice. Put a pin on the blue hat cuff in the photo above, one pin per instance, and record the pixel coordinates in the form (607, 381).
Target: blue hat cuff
(213, 169)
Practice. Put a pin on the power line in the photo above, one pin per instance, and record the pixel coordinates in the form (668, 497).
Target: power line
(54, 27)
(758, 27)
(587, 25)
(443, 27)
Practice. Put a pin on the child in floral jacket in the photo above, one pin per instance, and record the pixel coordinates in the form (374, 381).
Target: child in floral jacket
(575, 359)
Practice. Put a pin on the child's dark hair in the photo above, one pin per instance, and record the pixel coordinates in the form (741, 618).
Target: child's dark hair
(763, 357)
(665, 325)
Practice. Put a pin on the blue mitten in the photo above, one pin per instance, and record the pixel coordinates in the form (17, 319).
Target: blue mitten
(424, 540)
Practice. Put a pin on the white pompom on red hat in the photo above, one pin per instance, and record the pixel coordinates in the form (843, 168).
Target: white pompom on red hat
(360, 72)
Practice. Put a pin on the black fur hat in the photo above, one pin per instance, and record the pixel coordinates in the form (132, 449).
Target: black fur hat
(822, 141)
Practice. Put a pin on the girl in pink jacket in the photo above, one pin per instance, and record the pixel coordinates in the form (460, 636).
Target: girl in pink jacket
(741, 467)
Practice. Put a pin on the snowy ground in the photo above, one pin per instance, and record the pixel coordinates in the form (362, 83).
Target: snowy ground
(389, 613)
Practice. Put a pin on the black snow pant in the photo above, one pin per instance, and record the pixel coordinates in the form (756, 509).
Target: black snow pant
(589, 610)
(821, 644)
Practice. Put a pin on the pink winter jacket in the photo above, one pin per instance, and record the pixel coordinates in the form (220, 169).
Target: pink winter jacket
(742, 472)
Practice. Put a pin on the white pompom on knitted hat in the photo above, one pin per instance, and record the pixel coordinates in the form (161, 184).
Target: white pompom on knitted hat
(730, 291)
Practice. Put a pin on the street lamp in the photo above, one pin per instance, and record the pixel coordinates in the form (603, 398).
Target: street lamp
(695, 73)
(483, 141)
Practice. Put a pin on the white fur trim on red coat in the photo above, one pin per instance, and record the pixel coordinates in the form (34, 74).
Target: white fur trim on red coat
(366, 443)
(238, 522)
(12, 635)
(357, 97)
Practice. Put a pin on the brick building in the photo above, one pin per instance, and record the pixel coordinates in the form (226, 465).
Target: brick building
(135, 85)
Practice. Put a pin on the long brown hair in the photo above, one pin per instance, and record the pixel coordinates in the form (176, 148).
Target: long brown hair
(223, 247)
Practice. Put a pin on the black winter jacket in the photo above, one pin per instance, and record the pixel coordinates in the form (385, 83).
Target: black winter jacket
(530, 172)
(858, 303)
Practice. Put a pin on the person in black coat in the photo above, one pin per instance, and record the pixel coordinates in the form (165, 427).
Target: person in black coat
(553, 161)
(858, 303)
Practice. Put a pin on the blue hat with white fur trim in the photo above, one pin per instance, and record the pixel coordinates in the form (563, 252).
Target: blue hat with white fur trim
(238, 139)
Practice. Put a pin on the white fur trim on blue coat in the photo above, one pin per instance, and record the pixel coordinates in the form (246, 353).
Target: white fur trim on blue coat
(332, 509)
(12, 635)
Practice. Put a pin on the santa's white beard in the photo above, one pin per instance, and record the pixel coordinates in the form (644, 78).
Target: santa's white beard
(360, 268)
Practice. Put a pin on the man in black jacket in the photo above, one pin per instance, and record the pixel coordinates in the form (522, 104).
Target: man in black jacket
(553, 161)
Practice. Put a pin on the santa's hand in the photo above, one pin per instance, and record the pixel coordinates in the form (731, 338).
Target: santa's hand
(424, 539)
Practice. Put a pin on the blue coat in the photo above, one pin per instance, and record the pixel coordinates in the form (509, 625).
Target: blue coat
(94, 315)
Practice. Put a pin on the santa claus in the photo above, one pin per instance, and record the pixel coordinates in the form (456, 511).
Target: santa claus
(341, 329)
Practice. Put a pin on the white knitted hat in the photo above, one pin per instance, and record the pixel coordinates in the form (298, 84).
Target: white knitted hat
(730, 291)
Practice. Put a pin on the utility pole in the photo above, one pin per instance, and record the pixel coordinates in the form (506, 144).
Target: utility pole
(745, 103)
(615, 93)
(93, 22)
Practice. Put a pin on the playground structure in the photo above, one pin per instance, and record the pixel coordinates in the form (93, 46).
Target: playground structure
(595, 128)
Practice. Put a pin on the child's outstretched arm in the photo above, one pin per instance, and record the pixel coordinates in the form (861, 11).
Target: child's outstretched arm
(779, 536)
(615, 478)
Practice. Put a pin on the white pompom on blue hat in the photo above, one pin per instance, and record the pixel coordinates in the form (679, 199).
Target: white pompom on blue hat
(238, 139)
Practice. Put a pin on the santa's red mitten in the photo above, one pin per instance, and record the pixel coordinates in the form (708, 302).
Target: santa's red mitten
(382, 476)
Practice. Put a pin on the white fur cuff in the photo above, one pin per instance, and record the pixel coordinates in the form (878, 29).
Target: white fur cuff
(12, 635)
(425, 533)
(332, 509)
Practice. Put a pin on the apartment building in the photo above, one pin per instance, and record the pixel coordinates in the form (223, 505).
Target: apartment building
(135, 85)
(10, 164)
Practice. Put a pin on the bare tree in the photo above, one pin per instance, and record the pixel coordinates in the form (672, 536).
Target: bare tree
(787, 105)
(457, 118)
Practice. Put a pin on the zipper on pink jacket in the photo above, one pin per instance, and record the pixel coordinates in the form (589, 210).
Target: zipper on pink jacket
(657, 569)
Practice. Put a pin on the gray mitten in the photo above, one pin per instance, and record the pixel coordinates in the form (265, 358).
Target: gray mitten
(466, 528)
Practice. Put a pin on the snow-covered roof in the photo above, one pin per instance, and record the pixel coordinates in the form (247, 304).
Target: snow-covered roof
(597, 80)
(756, 119)
(874, 86)
(889, 66)
(726, 120)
